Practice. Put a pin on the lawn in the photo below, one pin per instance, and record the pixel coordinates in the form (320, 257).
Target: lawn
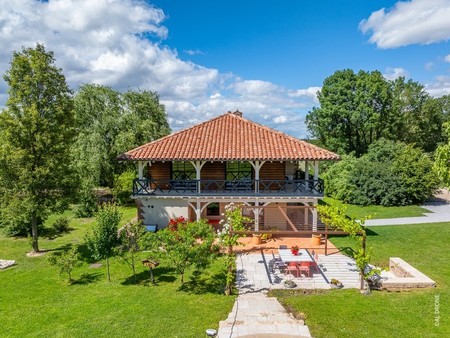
(347, 313)
(377, 211)
(36, 302)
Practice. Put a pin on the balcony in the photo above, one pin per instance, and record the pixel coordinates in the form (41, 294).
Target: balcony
(249, 188)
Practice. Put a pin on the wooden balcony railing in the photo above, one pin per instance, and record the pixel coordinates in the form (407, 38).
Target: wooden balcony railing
(142, 187)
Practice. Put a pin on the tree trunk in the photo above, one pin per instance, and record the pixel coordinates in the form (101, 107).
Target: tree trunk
(107, 269)
(363, 244)
(34, 232)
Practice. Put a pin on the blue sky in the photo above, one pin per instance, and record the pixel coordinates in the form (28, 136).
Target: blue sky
(265, 58)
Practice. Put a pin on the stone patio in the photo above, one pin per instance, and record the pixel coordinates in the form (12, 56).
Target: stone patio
(254, 273)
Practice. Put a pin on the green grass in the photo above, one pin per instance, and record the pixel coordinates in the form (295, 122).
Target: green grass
(377, 211)
(36, 302)
(347, 313)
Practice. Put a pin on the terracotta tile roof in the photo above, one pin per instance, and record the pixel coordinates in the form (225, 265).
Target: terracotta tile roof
(225, 138)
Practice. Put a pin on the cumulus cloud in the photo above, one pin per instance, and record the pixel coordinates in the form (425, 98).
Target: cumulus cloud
(393, 73)
(254, 87)
(193, 52)
(310, 93)
(120, 43)
(440, 87)
(410, 22)
(447, 58)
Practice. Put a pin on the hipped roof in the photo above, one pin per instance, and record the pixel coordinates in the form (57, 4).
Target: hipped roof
(228, 137)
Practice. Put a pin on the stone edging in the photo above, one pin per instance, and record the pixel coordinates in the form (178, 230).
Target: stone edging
(407, 276)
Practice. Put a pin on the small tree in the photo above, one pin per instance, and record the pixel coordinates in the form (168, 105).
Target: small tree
(335, 218)
(66, 261)
(234, 220)
(191, 244)
(129, 236)
(102, 240)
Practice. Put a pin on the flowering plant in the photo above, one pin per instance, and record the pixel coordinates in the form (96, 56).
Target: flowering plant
(174, 223)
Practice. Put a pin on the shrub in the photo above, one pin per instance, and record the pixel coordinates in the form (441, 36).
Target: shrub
(391, 173)
(122, 187)
(87, 206)
(61, 225)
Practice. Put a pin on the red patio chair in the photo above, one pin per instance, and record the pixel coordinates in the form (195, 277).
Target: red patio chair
(305, 267)
(292, 268)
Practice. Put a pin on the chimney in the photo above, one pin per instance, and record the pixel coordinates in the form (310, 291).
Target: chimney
(238, 113)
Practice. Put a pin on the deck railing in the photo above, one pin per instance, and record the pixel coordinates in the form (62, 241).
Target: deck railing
(228, 187)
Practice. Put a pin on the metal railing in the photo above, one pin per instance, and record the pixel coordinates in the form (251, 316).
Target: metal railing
(228, 187)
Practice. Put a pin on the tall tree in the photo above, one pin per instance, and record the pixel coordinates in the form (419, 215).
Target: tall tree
(354, 111)
(111, 123)
(416, 116)
(36, 129)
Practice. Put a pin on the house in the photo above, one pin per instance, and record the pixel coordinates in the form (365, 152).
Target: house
(195, 172)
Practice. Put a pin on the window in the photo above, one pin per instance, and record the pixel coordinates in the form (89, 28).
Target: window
(183, 171)
(213, 209)
(239, 171)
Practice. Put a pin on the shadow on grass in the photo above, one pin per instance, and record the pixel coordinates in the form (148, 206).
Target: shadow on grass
(370, 232)
(199, 283)
(87, 278)
(51, 234)
(161, 275)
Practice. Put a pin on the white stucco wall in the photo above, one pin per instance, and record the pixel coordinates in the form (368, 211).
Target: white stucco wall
(159, 211)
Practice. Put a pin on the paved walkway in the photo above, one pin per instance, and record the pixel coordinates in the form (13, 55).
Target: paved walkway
(256, 314)
(438, 212)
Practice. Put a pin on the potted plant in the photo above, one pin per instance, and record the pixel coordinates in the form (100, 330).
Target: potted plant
(336, 284)
(316, 239)
(290, 284)
(295, 249)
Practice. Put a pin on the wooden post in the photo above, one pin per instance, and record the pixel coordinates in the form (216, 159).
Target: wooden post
(364, 253)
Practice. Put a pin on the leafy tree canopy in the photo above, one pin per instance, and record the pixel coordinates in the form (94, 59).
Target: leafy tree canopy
(357, 109)
(391, 173)
(442, 158)
(36, 131)
(110, 123)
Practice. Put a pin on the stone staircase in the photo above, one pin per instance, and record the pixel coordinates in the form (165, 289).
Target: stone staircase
(254, 314)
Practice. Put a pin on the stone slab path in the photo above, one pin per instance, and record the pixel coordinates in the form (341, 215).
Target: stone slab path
(255, 314)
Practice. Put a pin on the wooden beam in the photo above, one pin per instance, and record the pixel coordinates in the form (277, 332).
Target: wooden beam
(287, 219)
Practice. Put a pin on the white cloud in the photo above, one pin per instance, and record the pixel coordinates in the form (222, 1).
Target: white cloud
(193, 52)
(429, 65)
(280, 119)
(440, 87)
(310, 93)
(254, 87)
(119, 43)
(393, 73)
(409, 22)
(447, 58)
